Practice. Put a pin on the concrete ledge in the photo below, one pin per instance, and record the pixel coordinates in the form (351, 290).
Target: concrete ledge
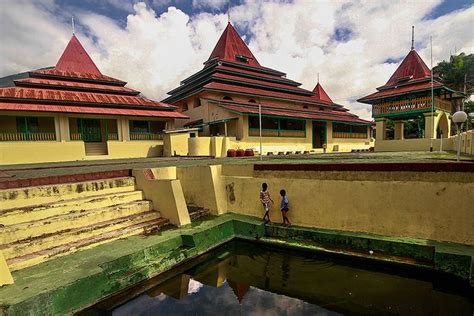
(73, 282)
(411, 166)
(69, 178)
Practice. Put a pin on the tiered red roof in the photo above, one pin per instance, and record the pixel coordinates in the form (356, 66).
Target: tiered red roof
(76, 85)
(411, 75)
(232, 68)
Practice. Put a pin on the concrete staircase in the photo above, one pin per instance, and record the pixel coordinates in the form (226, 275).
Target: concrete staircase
(40, 223)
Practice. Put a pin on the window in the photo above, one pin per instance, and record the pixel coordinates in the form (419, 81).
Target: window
(342, 130)
(292, 125)
(305, 106)
(147, 130)
(197, 102)
(27, 124)
(277, 127)
(242, 59)
(227, 98)
(252, 101)
(184, 106)
(27, 128)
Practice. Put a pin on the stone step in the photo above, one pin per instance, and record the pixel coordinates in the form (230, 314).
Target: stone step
(29, 196)
(23, 247)
(30, 259)
(198, 214)
(38, 212)
(58, 223)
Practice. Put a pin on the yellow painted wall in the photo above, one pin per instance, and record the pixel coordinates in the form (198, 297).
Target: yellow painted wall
(34, 152)
(134, 149)
(203, 186)
(175, 144)
(166, 195)
(425, 208)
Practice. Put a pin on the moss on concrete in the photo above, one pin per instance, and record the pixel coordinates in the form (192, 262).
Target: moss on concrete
(72, 282)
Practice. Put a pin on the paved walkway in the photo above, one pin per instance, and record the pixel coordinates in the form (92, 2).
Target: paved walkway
(27, 171)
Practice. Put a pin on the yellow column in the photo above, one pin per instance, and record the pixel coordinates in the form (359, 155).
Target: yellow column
(5, 275)
(429, 121)
(380, 127)
(399, 126)
(124, 129)
(61, 124)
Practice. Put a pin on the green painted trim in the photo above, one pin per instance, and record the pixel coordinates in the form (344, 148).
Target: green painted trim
(279, 129)
(350, 132)
(395, 114)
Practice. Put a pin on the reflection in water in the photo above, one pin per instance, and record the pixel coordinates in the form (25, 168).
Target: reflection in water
(246, 279)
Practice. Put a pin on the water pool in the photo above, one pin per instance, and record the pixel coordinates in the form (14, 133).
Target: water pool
(242, 278)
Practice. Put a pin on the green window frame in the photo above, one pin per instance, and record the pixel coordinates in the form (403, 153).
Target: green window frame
(273, 126)
(344, 130)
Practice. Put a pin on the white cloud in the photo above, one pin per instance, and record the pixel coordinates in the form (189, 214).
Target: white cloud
(210, 4)
(153, 53)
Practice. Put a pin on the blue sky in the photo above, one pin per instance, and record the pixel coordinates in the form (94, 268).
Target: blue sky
(355, 45)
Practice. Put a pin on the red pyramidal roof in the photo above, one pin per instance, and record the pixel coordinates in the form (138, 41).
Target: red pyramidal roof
(76, 59)
(231, 46)
(319, 93)
(411, 68)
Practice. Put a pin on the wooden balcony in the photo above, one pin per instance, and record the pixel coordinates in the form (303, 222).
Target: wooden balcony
(28, 136)
(410, 105)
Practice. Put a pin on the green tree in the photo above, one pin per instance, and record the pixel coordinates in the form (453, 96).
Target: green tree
(454, 71)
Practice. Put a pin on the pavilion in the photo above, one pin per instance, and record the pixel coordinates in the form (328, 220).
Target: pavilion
(407, 95)
(223, 100)
(74, 112)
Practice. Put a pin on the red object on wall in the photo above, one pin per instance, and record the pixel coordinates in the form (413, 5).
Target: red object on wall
(240, 152)
(249, 152)
(231, 153)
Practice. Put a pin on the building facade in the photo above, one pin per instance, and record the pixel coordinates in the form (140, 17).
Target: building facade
(406, 98)
(223, 100)
(74, 112)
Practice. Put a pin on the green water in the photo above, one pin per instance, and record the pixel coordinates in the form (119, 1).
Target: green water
(241, 278)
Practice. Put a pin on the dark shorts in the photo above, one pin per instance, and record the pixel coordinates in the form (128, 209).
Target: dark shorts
(285, 209)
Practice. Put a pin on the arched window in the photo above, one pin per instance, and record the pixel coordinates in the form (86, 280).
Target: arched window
(252, 101)
(227, 98)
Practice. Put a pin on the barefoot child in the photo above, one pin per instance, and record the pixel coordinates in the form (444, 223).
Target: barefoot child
(265, 199)
(284, 207)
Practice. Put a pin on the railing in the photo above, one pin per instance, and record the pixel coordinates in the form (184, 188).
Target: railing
(145, 136)
(112, 136)
(78, 136)
(276, 133)
(349, 135)
(26, 136)
(408, 105)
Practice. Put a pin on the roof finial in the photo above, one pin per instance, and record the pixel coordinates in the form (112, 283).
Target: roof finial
(72, 23)
(318, 77)
(412, 37)
(228, 11)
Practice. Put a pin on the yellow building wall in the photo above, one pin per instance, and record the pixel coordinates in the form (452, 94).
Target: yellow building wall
(134, 149)
(65, 150)
(36, 152)
(422, 207)
(176, 144)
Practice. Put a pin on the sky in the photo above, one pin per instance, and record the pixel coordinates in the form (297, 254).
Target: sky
(154, 44)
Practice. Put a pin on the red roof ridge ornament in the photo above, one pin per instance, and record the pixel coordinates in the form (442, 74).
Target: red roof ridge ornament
(320, 93)
(76, 59)
(230, 47)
